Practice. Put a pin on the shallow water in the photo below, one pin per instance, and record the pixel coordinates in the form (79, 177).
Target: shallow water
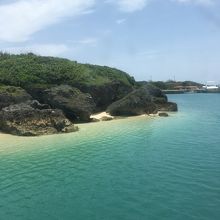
(129, 169)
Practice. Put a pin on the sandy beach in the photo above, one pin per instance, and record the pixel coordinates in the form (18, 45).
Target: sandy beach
(100, 115)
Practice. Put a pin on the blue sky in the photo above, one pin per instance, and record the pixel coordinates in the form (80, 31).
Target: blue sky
(149, 39)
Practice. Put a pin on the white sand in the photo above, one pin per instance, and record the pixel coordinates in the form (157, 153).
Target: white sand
(105, 114)
(101, 115)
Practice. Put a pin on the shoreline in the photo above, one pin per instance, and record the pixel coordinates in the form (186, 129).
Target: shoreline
(97, 116)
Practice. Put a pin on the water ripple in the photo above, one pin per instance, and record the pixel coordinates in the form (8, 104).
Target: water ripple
(137, 168)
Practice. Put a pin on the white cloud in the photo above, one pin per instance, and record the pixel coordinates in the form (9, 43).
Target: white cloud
(41, 49)
(22, 18)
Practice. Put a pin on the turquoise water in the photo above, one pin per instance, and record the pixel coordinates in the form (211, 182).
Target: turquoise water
(129, 169)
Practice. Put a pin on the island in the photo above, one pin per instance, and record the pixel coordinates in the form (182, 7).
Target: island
(48, 95)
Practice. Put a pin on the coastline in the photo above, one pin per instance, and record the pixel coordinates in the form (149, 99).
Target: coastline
(97, 116)
(88, 132)
(98, 119)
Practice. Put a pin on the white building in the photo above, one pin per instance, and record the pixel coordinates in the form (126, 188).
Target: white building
(211, 85)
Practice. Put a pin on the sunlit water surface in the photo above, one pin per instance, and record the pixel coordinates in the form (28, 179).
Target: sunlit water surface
(130, 169)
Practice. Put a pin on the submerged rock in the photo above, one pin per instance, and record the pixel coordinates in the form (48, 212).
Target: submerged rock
(75, 104)
(33, 119)
(10, 95)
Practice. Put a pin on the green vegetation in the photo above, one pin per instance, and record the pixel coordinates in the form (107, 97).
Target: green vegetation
(30, 70)
(26, 70)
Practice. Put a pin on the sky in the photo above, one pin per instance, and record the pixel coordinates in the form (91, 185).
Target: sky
(149, 39)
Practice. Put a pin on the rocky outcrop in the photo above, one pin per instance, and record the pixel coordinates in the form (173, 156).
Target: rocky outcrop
(21, 115)
(32, 119)
(145, 100)
(77, 106)
(106, 94)
(160, 99)
(10, 95)
(135, 103)
(168, 106)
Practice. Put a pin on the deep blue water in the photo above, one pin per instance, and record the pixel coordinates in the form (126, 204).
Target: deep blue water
(128, 169)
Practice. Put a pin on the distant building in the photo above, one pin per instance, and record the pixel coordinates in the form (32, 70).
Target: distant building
(186, 88)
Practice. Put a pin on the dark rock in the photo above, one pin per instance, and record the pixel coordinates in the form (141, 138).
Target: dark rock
(163, 114)
(37, 91)
(160, 99)
(25, 120)
(37, 105)
(145, 100)
(168, 106)
(103, 95)
(106, 94)
(137, 102)
(75, 104)
(156, 93)
(10, 95)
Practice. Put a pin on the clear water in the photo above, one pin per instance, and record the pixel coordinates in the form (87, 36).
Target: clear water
(129, 169)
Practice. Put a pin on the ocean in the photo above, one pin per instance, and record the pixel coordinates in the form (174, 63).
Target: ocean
(139, 168)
